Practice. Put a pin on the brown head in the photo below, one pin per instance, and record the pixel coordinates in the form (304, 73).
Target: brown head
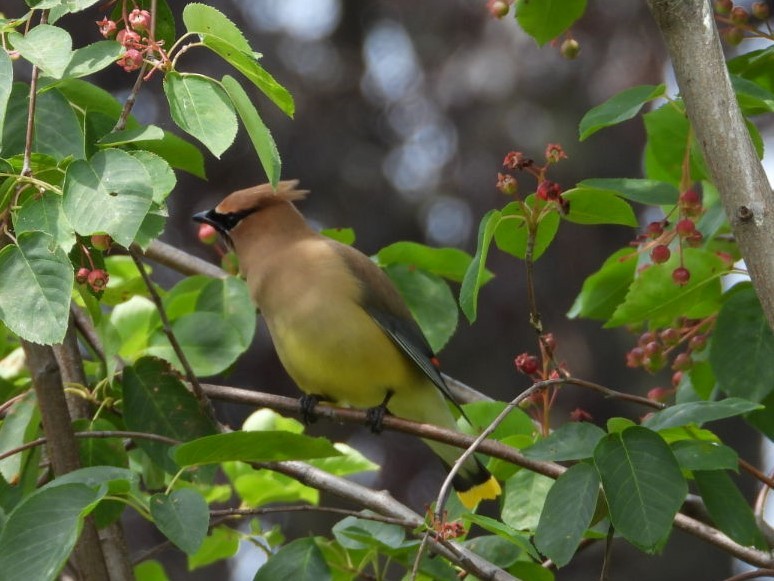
(237, 206)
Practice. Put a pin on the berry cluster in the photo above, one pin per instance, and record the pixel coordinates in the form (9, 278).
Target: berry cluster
(659, 235)
(136, 37)
(547, 190)
(740, 20)
(96, 278)
(655, 349)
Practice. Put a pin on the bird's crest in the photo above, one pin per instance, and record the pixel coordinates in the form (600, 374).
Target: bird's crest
(259, 197)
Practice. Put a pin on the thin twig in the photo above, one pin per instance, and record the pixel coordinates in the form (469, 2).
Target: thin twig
(30, 133)
(756, 574)
(608, 557)
(196, 387)
(130, 100)
(242, 512)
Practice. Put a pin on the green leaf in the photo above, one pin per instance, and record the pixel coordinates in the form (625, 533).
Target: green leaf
(358, 533)
(604, 290)
(222, 543)
(200, 107)
(204, 19)
(728, 508)
(494, 549)
(702, 455)
(259, 487)
(753, 99)
(48, 47)
(567, 513)
(511, 235)
(654, 296)
(183, 516)
(95, 476)
(572, 441)
(668, 131)
(58, 132)
(743, 347)
(618, 108)
(651, 192)
(483, 413)
(35, 288)
(267, 446)
(20, 426)
(525, 495)
(178, 153)
(300, 560)
(349, 462)
(40, 533)
(698, 412)
(259, 134)
(142, 133)
(430, 300)
(162, 177)
(92, 58)
(343, 235)
(475, 276)
(110, 193)
(503, 531)
(594, 206)
(246, 64)
(45, 213)
(643, 485)
(150, 571)
(156, 401)
(547, 19)
(450, 263)
(6, 84)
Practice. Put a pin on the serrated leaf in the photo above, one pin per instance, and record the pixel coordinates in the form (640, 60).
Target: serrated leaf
(618, 108)
(156, 401)
(572, 441)
(45, 213)
(266, 446)
(246, 64)
(702, 455)
(698, 412)
(41, 532)
(183, 516)
(643, 485)
(110, 193)
(48, 47)
(92, 58)
(525, 495)
(652, 192)
(163, 179)
(567, 513)
(35, 288)
(604, 290)
(511, 235)
(668, 131)
(547, 19)
(728, 508)
(359, 533)
(594, 206)
(204, 19)
(503, 531)
(300, 560)
(201, 108)
(450, 263)
(654, 296)
(430, 301)
(259, 134)
(743, 347)
(475, 274)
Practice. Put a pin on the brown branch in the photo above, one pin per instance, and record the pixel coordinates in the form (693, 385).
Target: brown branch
(179, 260)
(196, 387)
(242, 512)
(693, 43)
(757, 574)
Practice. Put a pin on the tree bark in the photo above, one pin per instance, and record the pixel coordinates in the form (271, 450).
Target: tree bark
(693, 43)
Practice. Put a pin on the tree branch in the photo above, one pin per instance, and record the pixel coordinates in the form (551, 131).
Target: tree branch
(700, 69)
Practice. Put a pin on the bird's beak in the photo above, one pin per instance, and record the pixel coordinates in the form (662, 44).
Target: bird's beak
(206, 217)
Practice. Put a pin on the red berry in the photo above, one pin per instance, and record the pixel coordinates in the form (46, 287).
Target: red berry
(580, 415)
(690, 198)
(681, 275)
(654, 229)
(507, 184)
(677, 377)
(516, 160)
(98, 279)
(635, 357)
(128, 38)
(554, 151)
(526, 363)
(733, 36)
(670, 336)
(760, 10)
(660, 253)
(682, 362)
(139, 19)
(661, 394)
(101, 241)
(723, 6)
(653, 348)
(739, 15)
(207, 234)
(695, 239)
(646, 338)
(685, 227)
(107, 28)
(697, 343)
(131, 60)
(498, 8)
(549, 341)
(82, 275)
(547, 190)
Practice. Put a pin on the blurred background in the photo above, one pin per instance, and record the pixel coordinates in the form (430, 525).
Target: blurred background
(404, 112)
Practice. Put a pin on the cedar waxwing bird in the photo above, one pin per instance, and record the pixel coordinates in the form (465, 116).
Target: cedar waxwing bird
(340, 327)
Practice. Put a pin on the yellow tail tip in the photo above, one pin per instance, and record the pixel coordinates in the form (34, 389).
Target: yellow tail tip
(488, 490)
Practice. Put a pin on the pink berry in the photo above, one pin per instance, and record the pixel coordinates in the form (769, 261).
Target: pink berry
(207, 234)
(681, 275)
(139, 19)
(101, 241)
(98, 279)
(82, 275)
(107, 28)
(131, 60)
(685, 227)
(526, 363)
(660, 253)
(682, 362)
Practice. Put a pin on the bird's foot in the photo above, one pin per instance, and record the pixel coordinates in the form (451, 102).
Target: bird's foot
(375, 415)
(308, 404)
